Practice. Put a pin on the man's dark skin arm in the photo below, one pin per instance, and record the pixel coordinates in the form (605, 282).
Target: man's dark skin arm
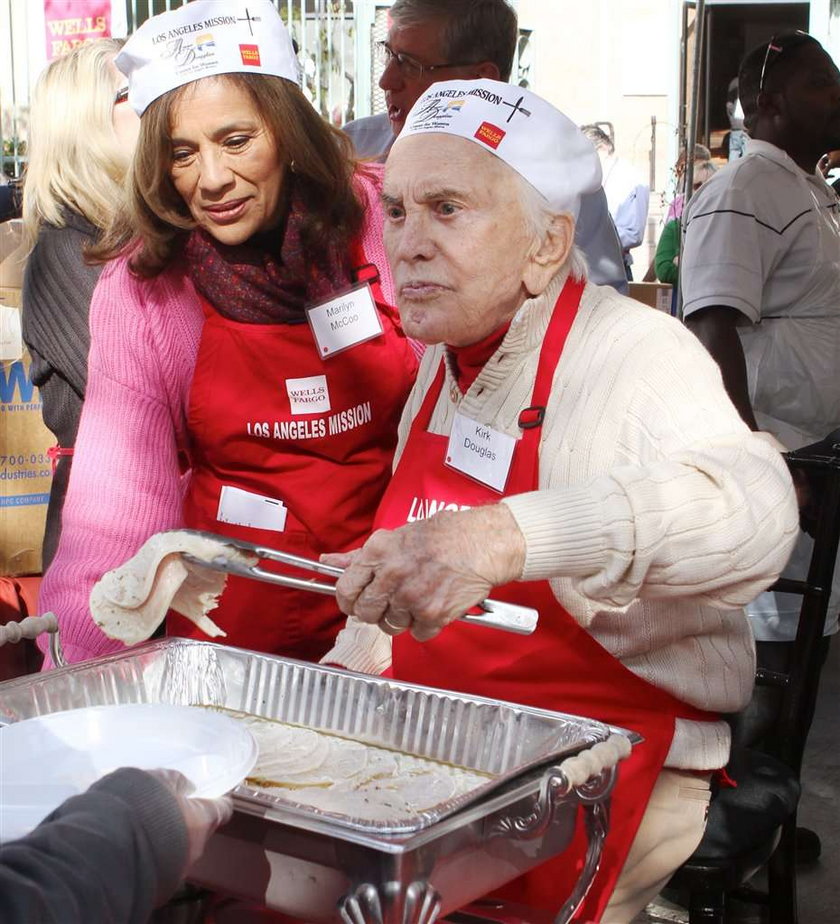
(715, 327)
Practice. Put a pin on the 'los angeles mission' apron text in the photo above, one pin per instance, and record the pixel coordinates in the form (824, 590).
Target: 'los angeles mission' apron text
(313, 428)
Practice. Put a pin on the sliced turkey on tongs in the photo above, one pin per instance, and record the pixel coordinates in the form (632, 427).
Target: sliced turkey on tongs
(131, 601)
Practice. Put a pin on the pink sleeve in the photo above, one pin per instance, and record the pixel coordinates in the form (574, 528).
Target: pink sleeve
(125, 482)
(368, 182)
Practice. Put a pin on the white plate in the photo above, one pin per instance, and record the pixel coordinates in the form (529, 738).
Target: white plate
(46, 759)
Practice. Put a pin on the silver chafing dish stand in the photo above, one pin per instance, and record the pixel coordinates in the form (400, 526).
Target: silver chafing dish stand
(320, 866)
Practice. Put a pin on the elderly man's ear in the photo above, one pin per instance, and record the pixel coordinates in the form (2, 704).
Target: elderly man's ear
(550, 254)
(487, 69)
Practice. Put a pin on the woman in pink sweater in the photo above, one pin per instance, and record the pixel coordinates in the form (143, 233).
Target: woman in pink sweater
(211, 402)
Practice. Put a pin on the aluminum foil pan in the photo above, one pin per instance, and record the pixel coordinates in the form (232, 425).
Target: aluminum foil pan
(320, 867)
(504, 740)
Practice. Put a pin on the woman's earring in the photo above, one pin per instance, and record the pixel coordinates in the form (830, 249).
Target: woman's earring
(292, 165)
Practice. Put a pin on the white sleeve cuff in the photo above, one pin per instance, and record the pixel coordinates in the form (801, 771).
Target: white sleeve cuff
(563, 530)
(749, 311)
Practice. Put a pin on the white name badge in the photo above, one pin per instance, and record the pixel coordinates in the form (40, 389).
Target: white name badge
(11, 341)
(480, 452)
(242, 508)
(344, 321)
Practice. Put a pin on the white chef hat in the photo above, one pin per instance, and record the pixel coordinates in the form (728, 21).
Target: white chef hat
(202, 39)
(523, 130)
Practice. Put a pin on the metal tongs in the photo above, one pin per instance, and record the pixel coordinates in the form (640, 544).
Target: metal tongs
(508, 617)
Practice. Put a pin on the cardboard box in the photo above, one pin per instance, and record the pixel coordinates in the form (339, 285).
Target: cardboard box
(25, 470)
(653, 294)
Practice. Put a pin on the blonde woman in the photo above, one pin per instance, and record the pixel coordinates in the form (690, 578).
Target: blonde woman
(82, 133)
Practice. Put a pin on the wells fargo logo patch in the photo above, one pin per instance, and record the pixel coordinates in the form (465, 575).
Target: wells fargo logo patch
(250, 54)
(490, 134)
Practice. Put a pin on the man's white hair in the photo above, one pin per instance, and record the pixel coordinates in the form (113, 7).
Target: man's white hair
(540, 218)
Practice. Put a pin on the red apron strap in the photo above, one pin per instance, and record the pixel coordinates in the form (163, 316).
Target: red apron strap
(562, 318)
(54, 453)
(424, 415)
(525, 471)
(365, 271)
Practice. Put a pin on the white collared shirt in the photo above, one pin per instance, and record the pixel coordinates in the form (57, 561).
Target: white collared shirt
(762, 236)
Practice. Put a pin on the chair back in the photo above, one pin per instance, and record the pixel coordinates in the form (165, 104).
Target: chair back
(819, 466)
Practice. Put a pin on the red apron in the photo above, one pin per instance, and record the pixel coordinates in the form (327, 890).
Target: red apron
(560, 666)
(329, 468)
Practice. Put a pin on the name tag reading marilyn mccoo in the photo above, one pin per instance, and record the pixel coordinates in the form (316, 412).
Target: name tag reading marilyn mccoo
(344, 321)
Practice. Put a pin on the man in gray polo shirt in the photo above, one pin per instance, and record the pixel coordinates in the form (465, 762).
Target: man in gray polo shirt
(760, 276)
(431, 40)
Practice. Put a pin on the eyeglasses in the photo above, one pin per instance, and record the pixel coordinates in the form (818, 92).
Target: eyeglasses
(410, 67)
(121, 96)
(776, 51)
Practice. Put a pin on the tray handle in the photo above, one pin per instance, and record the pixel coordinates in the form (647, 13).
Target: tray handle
(597, 820)
(589, 774)
(588, 777)
(31, 628)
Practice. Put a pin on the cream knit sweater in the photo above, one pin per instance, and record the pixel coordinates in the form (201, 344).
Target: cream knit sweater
(658, 515)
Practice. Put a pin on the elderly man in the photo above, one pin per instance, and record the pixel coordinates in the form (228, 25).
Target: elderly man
(433, 40)
(588, 463)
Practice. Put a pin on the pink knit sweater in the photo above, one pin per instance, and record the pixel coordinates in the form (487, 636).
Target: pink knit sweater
(125, 483)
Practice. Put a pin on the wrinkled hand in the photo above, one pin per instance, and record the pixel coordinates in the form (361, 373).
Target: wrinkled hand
(201, 816)
(425, 574)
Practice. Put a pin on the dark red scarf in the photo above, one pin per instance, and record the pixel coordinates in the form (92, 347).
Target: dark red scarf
(270, 279)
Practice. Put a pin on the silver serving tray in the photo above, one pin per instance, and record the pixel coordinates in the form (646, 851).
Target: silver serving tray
(308, 862)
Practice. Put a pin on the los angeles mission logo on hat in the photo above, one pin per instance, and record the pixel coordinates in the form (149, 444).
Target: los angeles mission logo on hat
(205, 38)
(447, 103)
(441, 110)
(438, 111)
(199, 51)
(193, 52)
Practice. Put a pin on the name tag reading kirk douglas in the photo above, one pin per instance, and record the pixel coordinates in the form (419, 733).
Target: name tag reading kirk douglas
(480, 452)
(344, 321)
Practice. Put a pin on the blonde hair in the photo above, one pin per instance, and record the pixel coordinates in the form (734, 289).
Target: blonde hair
(75, 161)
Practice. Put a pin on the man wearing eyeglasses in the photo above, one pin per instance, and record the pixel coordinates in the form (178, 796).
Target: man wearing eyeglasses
(760, 276)
(432, 40)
